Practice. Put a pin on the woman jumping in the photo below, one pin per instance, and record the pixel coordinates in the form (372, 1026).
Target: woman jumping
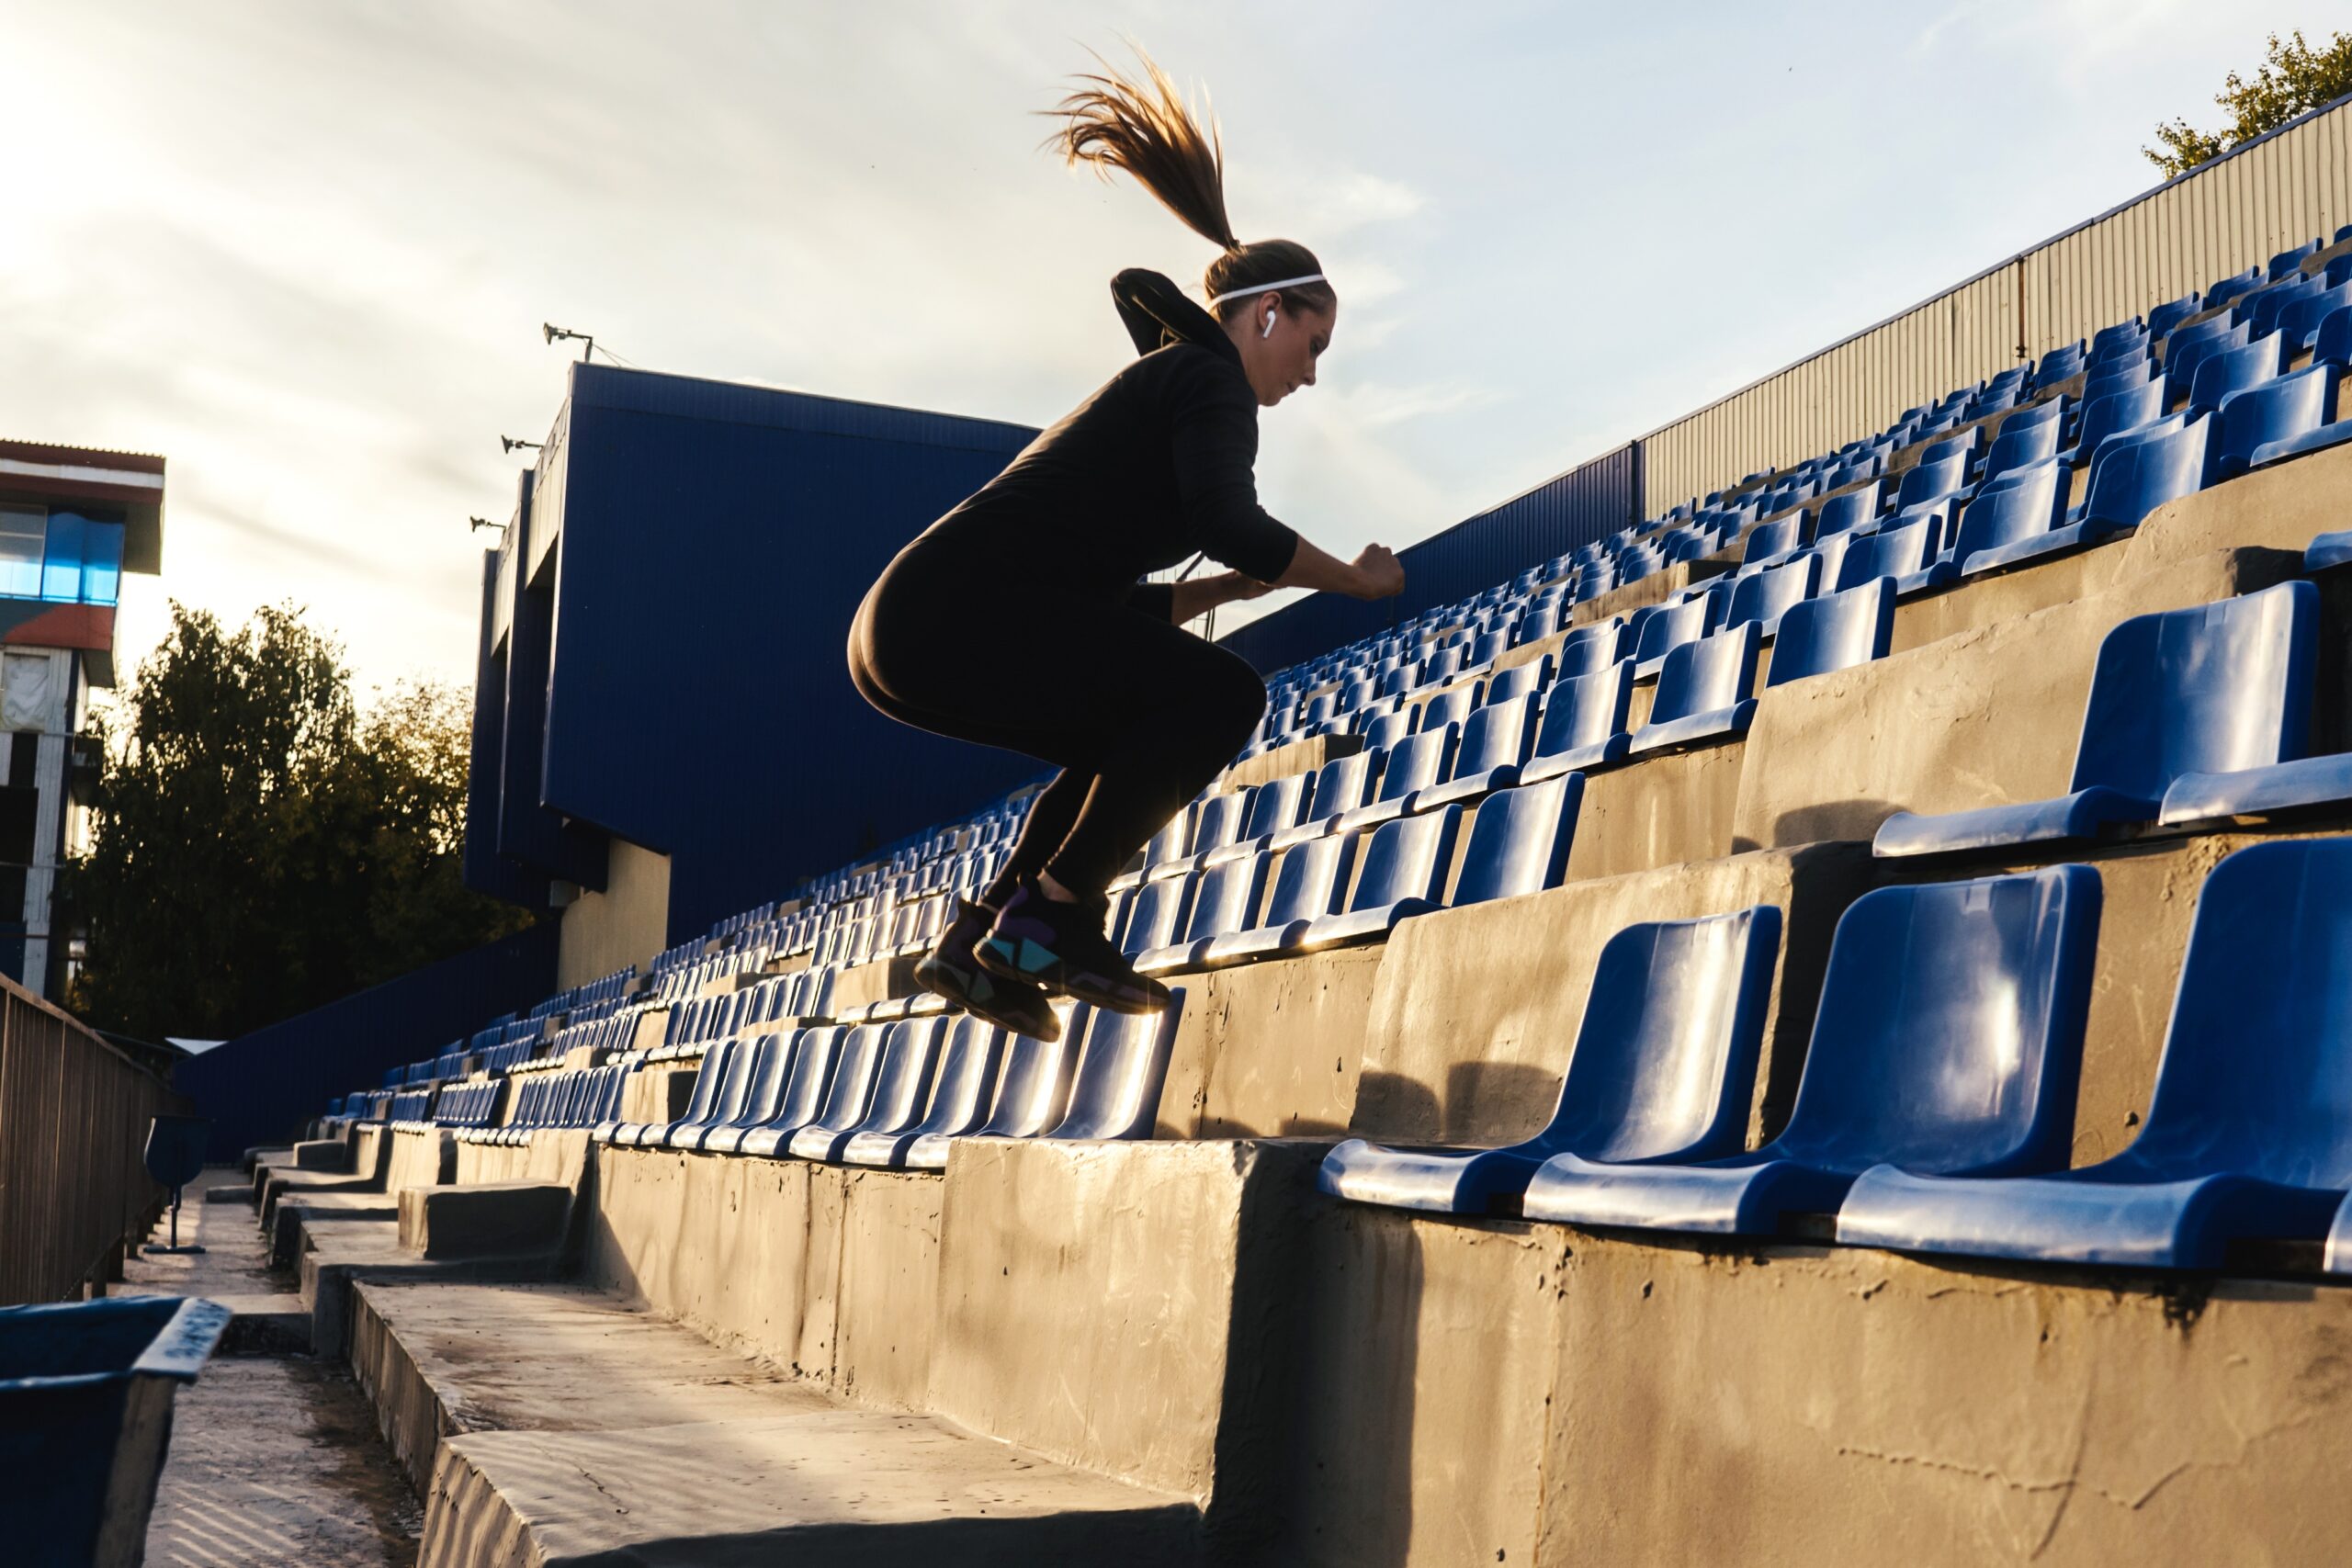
(1018, 619)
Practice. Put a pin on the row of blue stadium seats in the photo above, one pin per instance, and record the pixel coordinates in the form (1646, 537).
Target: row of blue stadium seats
(572, 1098)
(897, 1094)
(1935, 1109)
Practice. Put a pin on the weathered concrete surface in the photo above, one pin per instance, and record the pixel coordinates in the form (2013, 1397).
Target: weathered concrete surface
(1476, 1011)
(1781, 1407)
(658, 1091)
(1419, 1407)
(1659, 811)
(1985, 717)
(1270, 1050)
(856, 1489)
(442, 1359)
(371, 1159)
(323, 1154)
(1988, 600)
(2279, 507)
(337, 1256)
(273, 1458)
(421, 1158)
(489, 1221)
(1127, 1308)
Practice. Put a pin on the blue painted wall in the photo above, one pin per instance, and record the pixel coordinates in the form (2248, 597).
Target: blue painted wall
(260, 1086)
(701, 548)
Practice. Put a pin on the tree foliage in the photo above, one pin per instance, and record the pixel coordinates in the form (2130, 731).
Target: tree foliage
(259, 845)
(2293, 79)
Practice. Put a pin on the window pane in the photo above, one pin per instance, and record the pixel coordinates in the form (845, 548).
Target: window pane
(101, 563)
(22, 529)
(60, 576)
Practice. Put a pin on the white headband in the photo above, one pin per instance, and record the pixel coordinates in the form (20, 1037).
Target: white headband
(1279, 284)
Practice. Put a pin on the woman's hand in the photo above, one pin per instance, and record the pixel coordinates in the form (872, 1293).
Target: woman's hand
(1382, 575)
(1246, 587)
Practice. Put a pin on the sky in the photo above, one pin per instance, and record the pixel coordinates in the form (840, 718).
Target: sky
(304, 250)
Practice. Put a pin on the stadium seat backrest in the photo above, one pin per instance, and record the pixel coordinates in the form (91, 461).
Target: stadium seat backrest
(1585, 710)
(1834, 631)
(1519, 680)
(969, 1060)
(1342, 784)
(1519, 841)
(2299, 324)
(1421, 760)
(771, 1071)
(1775, 538)
(1389, 729)
(2021, 445)
(2333, 346)
(1275, 804)
(1840, 512)
(1591, 648)
(1671, 626)
(1033, 1086)
(708, 1079)
(1948, 1037)
(1665, 1058)
(1765, 596)
(1893, 552)
(2164, 316)
(1716, 672)
(816, 1052)
(1158, 913)
(1409, 858)
(1929, 481)
(903, 1075)
(1122, 1067)
(2276, 410)
(1219, 821)
(1497, 736)
(2135, 478)
(2211, 688)
(2263, 311)
(2257, 1072)
(1227, 898)
(1311, 881)
(2235, 370)
(851, 1090)
(1168, 842)
(1450, 707)
(2183, 358)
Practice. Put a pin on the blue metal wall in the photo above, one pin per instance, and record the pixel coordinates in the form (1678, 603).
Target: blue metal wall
(260, 1086)
(1587, 503)
(702, 548)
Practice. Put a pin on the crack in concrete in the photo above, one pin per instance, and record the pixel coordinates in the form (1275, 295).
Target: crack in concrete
(618, 1507)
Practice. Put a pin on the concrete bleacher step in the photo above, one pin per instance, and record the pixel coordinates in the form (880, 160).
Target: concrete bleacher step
(553, 1423)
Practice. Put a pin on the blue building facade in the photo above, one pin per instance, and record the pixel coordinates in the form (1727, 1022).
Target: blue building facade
(661, 648)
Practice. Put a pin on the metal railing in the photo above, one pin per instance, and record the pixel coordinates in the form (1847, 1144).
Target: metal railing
(74, 1112)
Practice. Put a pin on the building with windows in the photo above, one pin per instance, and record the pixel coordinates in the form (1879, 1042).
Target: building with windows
(71, 522)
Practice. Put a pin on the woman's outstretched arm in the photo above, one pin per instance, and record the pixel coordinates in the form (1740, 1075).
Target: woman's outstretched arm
(1373, 574)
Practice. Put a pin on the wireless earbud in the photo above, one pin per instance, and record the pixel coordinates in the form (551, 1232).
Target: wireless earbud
(1268, 331)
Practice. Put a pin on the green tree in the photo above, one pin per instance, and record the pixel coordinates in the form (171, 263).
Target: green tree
(259, 845)
(2292, 80)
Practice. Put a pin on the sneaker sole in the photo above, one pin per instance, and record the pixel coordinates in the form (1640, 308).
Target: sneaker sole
(944, 979)
(1043, 968)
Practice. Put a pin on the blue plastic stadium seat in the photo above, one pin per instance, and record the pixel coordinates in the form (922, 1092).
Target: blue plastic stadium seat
(1670, 626)
(1703, 693)
(1157, 914)
(1450, 707)
(1225, 900)
(769, 1073)
(1834, 631)
(1594, 648)
(1768, 540)
(1852, 510)
(1906, 554)
(2125, 409)
(1494, 746)
(1949, 1040)
(2337, 1257)
(2170, 314)
(1519, 841)
(2300, 322)
(1663, 1070)
(2020, 445)
(1584, 724)
(2017, 521)
(1420, 762)
(1389, 729)
(902, 1090)
(1404, 872)
(2138, 476)
(1312, 881)
(707, 1077)
(1519, 680)
(862, 1054)
(1763, 597)
(2283, 418)
(2190, 347)
(2213, 688)
(2328, 551)
(2249, 1132)
(1340, 784)
(1929, 481)
(1122, 1069)
(2235, 370)
(2285, 263)
(1032, 1093)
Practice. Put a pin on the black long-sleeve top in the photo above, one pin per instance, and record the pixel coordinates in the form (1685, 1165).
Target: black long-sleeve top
(1158, 464)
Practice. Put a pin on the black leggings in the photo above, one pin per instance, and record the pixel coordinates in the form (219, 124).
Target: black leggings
(1139, 715)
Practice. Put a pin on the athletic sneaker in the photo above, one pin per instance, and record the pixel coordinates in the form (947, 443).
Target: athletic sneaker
(1062, 948)
(949, 970)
